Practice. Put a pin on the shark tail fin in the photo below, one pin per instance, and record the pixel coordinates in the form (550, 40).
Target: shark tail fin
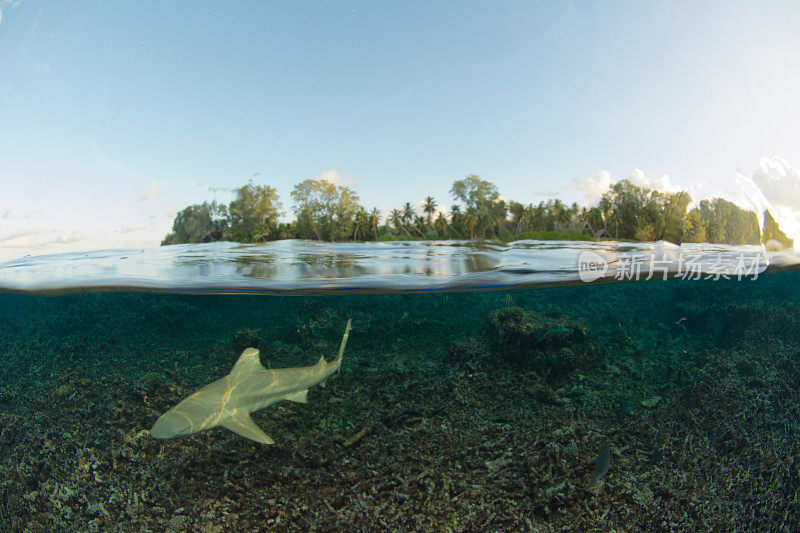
(243, 425)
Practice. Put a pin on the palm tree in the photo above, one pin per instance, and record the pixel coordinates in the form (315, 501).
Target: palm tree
(539, 216)
(396, 219)
(595, 218)
(429, 207)
(408, 212)
(419, 225)
(363, 225)
(441, 225)
(606, 207)
(456, 220)
(497, 217)
(518, 215)
(471, 220)
(408, 218)
(557, 212)
(375, 221)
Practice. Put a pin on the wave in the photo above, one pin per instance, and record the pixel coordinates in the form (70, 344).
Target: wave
(308, 267)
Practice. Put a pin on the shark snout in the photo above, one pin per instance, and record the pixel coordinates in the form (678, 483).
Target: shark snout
(170, 425)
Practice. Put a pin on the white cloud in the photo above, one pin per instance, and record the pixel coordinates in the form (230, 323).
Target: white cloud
(39, 240)
(151, 192)
(129, 229)
(779, 182)
(333, 177)
(657, 183)
(13, 213)
(23, 241)
(593, 188)
(23, 232)
(789, 222)
(67, 238)
(774, 186)
(37, 237)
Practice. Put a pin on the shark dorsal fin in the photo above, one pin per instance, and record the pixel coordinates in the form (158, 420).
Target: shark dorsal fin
(249, 362)
(243, 425)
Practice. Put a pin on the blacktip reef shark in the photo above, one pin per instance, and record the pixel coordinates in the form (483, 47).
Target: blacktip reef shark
(249, 387)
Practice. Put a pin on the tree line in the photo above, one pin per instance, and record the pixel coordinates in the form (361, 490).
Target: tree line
(326, 211)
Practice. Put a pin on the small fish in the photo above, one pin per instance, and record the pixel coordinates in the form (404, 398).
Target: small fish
(601, 464)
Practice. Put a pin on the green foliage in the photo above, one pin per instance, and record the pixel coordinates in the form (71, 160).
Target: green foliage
(474, 192)
(329, 212)
(429, 207)
(636, 213)
(482, 203)
(254, 213)
(694, 229)
(198, 223)
(366, 224)
(324, 211)
(723, 222)
(774, 233)
(640, 214)
(674, 216)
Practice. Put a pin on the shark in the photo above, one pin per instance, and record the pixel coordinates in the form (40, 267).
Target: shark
(228, 401)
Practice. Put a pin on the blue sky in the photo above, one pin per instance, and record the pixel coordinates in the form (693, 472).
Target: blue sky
(114, 115)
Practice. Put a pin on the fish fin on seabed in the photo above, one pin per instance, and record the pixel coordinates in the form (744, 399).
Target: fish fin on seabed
(322, 383)
(243, 425)
(299, 397)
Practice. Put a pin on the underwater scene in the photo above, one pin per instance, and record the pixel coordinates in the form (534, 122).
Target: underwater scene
(344, 394)
(486, 266)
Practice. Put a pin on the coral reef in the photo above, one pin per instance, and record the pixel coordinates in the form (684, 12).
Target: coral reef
(553, 344)
(473, 412)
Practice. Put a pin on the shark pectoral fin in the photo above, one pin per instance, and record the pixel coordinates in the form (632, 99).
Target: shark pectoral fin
(243, 425)
(299, 397)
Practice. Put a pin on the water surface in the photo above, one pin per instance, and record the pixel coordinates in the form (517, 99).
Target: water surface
(308, 267)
